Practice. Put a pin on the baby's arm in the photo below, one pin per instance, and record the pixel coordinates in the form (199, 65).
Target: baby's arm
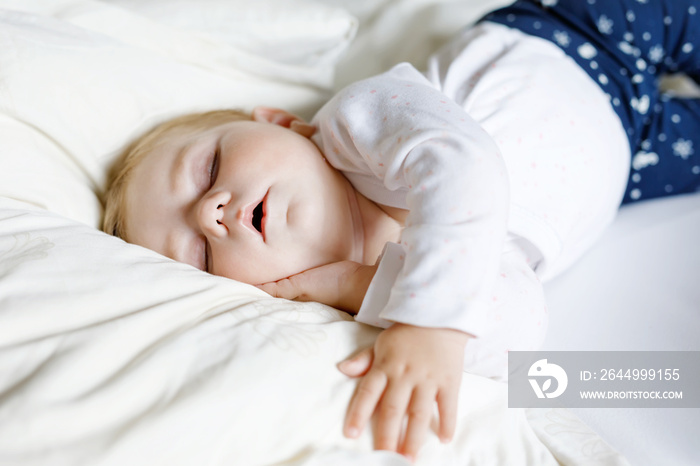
(403, 143)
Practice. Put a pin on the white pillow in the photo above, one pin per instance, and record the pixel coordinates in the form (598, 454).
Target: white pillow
(299, 32)
(79, 79)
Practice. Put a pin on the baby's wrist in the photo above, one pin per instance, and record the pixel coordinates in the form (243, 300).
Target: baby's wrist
(457, 336)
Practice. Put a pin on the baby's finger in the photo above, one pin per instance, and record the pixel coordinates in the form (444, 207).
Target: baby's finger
(269, 288)
(392, 410)
(420, 413)
(287, 288)
(363, 402)
(447, 408)
(359, 364)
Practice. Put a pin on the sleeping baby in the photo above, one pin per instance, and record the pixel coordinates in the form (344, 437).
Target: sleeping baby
(432, 204)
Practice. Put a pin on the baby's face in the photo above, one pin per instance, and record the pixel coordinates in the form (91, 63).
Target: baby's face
(249, 200)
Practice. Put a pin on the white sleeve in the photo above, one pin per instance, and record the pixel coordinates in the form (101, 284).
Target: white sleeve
(403, 143)
(518, 316)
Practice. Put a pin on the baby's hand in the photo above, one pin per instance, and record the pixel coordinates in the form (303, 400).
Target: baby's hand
(342, 285)
(405, 373)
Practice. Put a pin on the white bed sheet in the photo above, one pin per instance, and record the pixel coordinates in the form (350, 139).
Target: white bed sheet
(637, 290)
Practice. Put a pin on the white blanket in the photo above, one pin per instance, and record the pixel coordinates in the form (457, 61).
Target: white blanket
(112, 354)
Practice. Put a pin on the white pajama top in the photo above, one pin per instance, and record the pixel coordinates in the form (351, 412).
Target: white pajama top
(509, 159)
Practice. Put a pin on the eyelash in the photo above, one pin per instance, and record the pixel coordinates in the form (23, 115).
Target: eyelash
(214, 168)
(213, 172)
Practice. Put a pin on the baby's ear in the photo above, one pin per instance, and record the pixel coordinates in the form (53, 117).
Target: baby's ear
(280, 117)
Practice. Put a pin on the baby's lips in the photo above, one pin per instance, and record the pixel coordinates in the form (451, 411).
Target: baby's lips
(246, 216)
(263, 220)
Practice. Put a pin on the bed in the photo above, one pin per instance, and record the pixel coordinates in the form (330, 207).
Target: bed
(113, 354)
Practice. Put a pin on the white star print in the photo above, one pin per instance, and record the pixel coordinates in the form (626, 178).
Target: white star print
(605, 25)
(587, 51)
(562, 38)
(641, 105)
(656, 54)
(643, 159)
(683, 148)
(628, 48)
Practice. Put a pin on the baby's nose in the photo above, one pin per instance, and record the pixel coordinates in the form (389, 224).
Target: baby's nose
(211, 214)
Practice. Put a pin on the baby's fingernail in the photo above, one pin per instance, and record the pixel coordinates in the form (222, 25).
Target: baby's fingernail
(352, 432)
(347, 364)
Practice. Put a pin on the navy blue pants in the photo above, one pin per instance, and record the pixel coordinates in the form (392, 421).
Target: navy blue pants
(626, 46)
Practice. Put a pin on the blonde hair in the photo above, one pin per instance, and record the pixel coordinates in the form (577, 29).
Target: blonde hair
(120, 173)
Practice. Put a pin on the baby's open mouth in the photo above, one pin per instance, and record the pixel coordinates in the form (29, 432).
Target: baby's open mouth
(258, 216)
